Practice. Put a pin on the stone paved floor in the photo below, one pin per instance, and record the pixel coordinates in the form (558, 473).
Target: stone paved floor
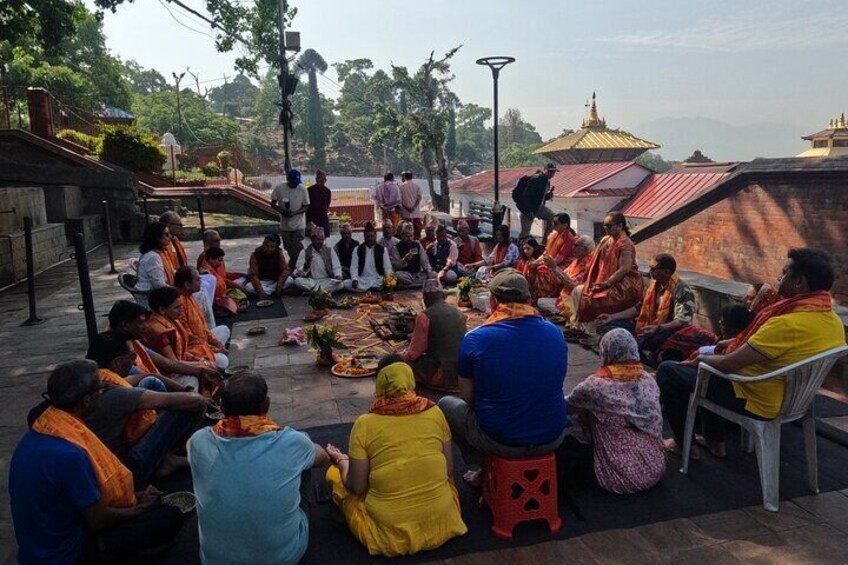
(807, 530)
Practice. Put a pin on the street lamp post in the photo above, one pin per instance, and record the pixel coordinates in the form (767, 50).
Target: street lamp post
(178, 78)
(496, 64)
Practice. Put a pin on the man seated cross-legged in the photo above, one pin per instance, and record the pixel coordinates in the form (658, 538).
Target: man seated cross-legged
(72, 500)
(318, 266)
(370, 263)
(126, 418)
(798, 326)
(511, 373)
(203, 341)
(251, 479)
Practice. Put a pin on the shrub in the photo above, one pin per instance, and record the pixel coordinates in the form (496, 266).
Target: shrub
(225, 160)
(211, 169)
(90, 142)
(132, 148)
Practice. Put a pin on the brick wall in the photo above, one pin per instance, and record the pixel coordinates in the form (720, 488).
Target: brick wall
(746, 236)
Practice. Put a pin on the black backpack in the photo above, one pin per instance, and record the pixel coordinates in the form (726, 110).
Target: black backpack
(519, 193)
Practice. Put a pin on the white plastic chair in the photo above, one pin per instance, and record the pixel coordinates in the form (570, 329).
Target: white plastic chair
(803, 380)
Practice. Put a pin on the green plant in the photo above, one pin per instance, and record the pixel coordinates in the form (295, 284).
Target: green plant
(344, 218)
(225, 160)
(211, 169)
(324, 339)
(131, 148)
(90, 142)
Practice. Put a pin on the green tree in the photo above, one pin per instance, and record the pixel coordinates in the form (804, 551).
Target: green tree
(201, 125)
(473, 139)
(40, 25)
(654, 162)
(144, 81)
(513, 129)
(313, 63)
(236, 98)
(425, 125)
(521, 155)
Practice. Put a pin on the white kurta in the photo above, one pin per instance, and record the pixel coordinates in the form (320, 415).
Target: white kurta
(369, 278)
(318, 277)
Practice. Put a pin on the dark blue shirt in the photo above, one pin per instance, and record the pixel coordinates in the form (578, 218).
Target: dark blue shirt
(518, 368)
(50, 480)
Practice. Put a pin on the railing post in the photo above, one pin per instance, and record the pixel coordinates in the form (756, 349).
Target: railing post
(144, 203)
(33, 317)
(200, 213)
(8, 108)
(87, 305)
(106, 217)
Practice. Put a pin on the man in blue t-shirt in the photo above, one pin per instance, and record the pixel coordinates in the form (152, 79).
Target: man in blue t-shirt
(54, 493)
(511, 372)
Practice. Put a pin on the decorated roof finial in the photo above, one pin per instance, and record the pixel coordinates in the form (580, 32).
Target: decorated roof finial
(593, 121)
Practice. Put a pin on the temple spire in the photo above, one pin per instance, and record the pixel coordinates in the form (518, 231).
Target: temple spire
(593, 121)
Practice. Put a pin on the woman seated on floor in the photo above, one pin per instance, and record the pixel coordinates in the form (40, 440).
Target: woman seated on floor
(571, 277)
(613, 283)
(165, 333)
(396, 488)
(155, 267)
(530, 251)
(617, 411)
(504, 254)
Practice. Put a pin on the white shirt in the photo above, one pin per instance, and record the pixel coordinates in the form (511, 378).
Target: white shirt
(317, 270)
(388, 244)
(151, 275)
(369, 278)
(409, 193)
(297, 198)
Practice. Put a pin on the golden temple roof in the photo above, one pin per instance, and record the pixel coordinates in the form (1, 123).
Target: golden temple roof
(594, 135)
(830, 142)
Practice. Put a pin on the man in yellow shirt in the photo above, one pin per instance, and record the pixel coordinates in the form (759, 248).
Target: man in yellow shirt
(798, 326)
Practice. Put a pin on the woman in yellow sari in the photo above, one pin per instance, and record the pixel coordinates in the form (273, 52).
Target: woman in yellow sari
(613, 282)
(396, 488)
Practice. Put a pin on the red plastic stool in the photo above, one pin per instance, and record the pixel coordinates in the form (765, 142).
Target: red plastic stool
(520, 490)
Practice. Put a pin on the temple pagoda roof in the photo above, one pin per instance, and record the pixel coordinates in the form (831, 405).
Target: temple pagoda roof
(595, 142)
(830, 142)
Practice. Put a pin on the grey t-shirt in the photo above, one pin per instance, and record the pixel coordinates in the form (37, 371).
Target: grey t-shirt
(107, 422)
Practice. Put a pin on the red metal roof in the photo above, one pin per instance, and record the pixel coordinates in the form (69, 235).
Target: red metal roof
(569, 181)
(662, 192)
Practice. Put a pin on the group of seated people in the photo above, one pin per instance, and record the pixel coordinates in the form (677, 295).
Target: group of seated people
(80, 479)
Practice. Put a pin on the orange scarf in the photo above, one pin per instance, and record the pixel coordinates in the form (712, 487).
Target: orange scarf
(139, 422)
(626, 371)
(178, 253)
(143, 361)
(401, 405)
(167, 265)
(499, 253)
(195, 323)
(655, 312)
(819, 301)
(220, 277)
(604, 263)
(510, 311)
(245, 426)
(157, 324)
(115, 480)
(560, 246)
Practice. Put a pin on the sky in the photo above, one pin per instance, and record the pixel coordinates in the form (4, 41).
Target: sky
(777, 61)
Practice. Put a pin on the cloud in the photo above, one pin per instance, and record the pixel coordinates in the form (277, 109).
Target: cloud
(753, 31)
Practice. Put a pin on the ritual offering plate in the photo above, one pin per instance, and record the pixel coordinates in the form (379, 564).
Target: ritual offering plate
(345, 303)
(355, 367)
(264, 303)
(557, 319)
(370, 299)
(230, 371)
(573, 335)
(183, 501)
(315, 315)
(257, 330)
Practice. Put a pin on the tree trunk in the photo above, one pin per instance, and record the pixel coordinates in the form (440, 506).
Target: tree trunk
(443, 179)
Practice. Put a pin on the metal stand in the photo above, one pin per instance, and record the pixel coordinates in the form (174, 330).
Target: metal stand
(33, 317)
(200, 213)
(112, 270)
(87, 305)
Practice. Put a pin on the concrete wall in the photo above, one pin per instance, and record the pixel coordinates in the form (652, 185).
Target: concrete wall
(745, 237)
(26, 201)
(49, 247)
(62, 202)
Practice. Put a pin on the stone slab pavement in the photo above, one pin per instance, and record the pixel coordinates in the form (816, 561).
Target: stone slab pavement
(811, 529)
